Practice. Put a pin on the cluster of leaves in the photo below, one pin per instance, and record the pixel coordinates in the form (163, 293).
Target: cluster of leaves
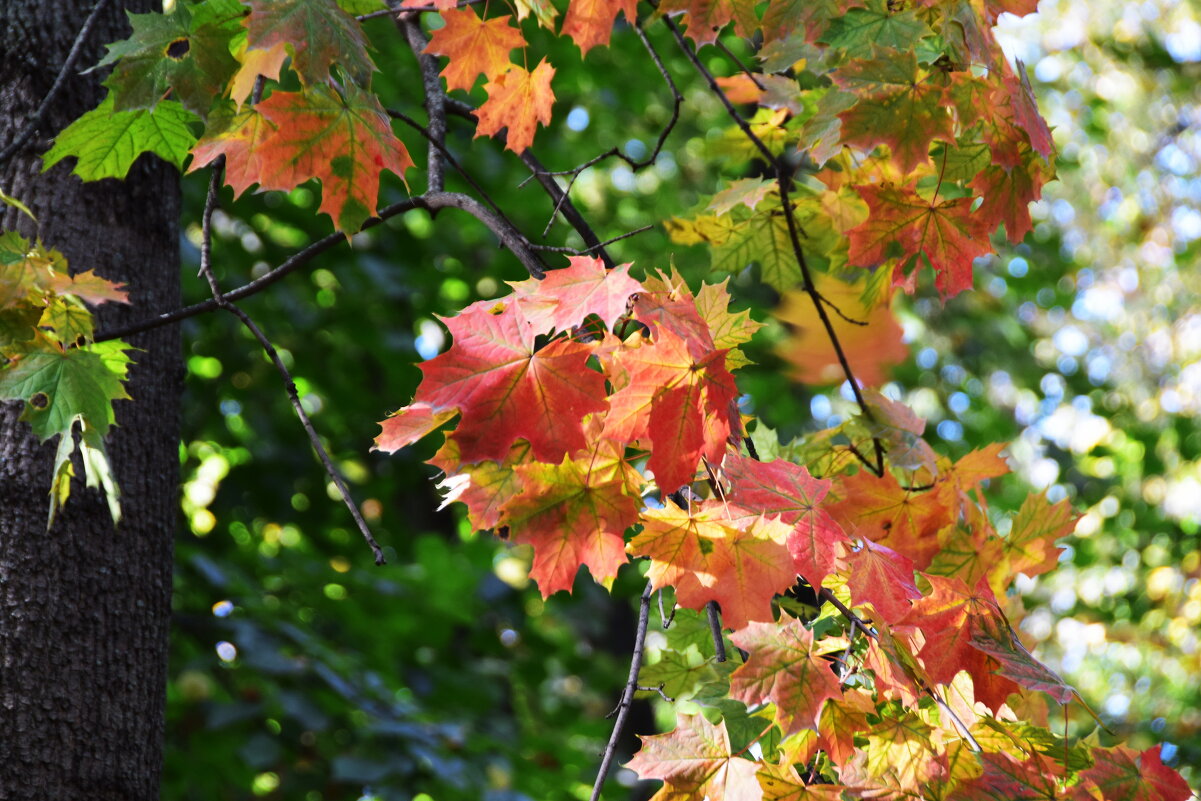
(598, 414)
(49, 360)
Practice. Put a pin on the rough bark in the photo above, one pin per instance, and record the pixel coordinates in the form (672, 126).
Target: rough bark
(84, 607)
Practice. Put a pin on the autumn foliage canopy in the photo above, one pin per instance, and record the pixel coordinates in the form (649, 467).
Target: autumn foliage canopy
(859, 575)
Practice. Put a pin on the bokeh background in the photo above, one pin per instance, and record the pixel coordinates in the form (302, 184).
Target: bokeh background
(302, 671)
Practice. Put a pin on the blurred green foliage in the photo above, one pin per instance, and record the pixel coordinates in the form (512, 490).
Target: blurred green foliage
(301, 671)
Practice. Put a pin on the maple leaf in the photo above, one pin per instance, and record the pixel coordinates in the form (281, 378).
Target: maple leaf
(728, 329)
(506, 389)
(872, 343)
(783, 669)
(589, 22)
(1123, 774)
(239, 136)
(749, 192)
(879, 508)
(678, 400)
(876, 24)
(517, 100)
(1030, 545)
(782, 783)
(1025, 112)
(565, 297)
(1004, 776)
(896, 425)
(695, 761)
(707, 556)
(992, 635)
(783, 17)
(575, 513)
(475, 46)
(949, 619)
(184, 53)
(255, 62)
(345, 140)
(409, 425)
(703, 19)
(905, 112)
(900, 749)
(320, 34)
(786, 491)
(841, 718)
(485, 488)
(946, 231)
(884, 578)
(1007, 194)
(106, 142)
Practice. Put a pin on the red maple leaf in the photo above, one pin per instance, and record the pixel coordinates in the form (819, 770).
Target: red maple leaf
(507, 389)
(678, 401)
(1123, 774)
(784, 490)
(879, 508)
(707, 556)
(782, 668)
(475, 46)
(562, 299)
(883, 578)
(239, 136)
(946, 231)
(517, 100)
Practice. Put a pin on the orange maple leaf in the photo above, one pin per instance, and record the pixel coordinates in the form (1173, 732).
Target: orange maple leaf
(879, 508)
(345, 140)
(575, 513)
(475, 46)
(696, 761)
(566, 296)
(517, 100)
(239, 136)
(255, 62)
(946, 231)
(707, 556)
(589, 22)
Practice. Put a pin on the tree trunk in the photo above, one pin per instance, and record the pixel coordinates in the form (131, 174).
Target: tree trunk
(84, 608)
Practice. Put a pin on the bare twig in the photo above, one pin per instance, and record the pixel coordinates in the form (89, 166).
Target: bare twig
(658, 689)
(564, 205)
(33, 122)
(597, 246)
(206, 269)
(719, 643)
(387, 12)
(509, 236)
(627, 694)
(665, 618)
(827, 596)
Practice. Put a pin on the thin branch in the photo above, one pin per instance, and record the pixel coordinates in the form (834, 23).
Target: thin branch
(206, 269)
(627, 694)
(825, 595)
(615, 152)
(747, 71)
(291, 264)
(719, 642)
(658, 689)
(667, 619)
(435, 99)
(504, 231)
(597, 246)
(709, 79)
(784, 181)
(385, 12)
(60, 80)
(564, 206)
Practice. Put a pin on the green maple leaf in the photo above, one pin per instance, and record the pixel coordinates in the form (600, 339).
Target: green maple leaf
(763, 239)
(861, 30)
(107, 142)
(318, 31)
(185, 53)
(63, 387)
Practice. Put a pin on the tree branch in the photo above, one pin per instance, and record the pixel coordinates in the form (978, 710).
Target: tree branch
(435, 99)
(719, 642)
(627, 694)
(206, 269)
(59, 80)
